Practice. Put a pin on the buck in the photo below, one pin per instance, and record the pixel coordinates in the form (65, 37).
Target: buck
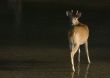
(78, 35)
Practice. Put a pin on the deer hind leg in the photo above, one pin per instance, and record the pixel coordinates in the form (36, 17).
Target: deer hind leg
(73, 52)
(70, 47)
(87, 52)
(70, 43)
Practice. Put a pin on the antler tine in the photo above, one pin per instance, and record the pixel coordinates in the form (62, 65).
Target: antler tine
(67, 13)
(76, 12)
(71, 10)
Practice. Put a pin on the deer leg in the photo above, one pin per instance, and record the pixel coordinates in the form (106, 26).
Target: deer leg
(72, 61)
(74, 50)
(70, 43)
(70, 47)
(87, 52)
(79, 55)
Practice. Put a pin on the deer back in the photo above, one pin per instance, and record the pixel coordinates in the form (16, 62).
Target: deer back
(79, 33)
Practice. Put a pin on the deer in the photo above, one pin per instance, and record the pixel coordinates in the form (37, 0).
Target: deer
(77, 35)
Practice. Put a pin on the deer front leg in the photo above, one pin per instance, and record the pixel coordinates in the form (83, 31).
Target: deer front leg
(87, 52)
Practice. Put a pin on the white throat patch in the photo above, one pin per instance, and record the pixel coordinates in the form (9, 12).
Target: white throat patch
(75, 21)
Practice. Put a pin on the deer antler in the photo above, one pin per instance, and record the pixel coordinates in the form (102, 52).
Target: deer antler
(71, 10)
(67, 13)
(77, 12)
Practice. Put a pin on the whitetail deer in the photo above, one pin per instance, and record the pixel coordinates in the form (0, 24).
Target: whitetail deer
(77, 35)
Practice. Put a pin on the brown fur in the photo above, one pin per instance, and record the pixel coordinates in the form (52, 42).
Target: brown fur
(79, 33)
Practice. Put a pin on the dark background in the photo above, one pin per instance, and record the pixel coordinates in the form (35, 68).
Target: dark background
(34, 43)
(35, 30)
(39, 20)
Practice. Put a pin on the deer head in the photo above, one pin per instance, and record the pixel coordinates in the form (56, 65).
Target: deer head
(74, 17)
